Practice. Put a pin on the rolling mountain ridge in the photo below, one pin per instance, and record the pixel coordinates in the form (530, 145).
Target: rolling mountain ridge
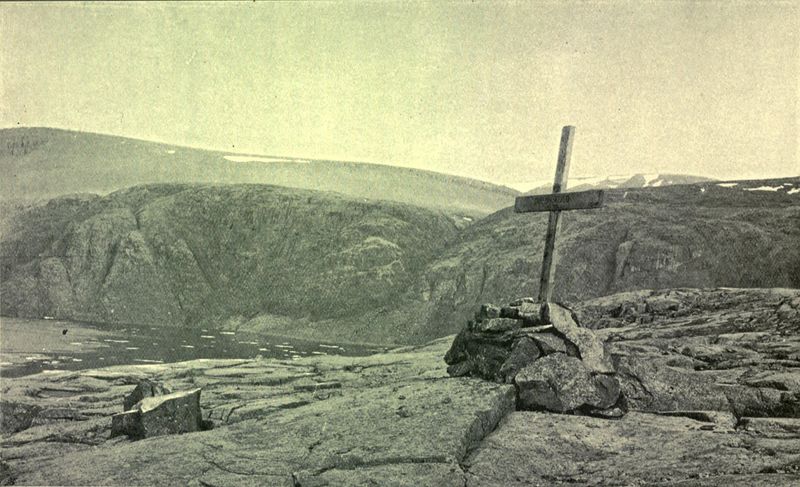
(628, 181)
(325, 266)
(41, 163)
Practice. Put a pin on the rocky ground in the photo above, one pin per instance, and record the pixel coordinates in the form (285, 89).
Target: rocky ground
(711, 380)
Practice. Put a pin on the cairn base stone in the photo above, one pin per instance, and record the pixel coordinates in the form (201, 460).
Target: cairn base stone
(550, 343)
(523, 353)
(564, 384)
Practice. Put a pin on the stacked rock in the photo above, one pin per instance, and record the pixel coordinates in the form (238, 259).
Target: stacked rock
(555, 364)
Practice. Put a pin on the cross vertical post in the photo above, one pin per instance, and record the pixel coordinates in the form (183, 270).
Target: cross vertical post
(555, 203)
(559, 184)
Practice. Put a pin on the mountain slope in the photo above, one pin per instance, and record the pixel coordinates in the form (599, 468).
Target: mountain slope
(741, 234)
(43, 163)
(323, 266)
(191, 254)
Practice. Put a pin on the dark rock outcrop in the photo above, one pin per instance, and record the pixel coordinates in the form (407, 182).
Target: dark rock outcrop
(17, 416)
(278, 260)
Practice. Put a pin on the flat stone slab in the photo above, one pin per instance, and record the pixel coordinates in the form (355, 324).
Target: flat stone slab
(397, 475)
(640, 449)
(721, 419)
(381, 431)
(549, 343)
(773, 427)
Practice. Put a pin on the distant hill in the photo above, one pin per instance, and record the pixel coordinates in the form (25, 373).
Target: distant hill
(623, 182)
(44, 163)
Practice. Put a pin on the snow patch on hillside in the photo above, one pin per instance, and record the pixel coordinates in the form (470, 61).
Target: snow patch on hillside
(652, 179)
(764, 188)
(233, 158)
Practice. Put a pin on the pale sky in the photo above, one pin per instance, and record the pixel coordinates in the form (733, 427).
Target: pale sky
(475, 89)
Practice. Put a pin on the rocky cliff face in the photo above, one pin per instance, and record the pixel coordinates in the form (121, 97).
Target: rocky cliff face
(175, 255)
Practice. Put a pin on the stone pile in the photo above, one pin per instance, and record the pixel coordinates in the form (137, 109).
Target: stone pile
(151, 410)
(555, 364)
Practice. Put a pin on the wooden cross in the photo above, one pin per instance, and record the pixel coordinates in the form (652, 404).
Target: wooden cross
(555, 203)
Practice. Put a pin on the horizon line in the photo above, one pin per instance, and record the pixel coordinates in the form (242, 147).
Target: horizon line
(538, 182)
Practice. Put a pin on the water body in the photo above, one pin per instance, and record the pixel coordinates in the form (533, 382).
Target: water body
(32, 346)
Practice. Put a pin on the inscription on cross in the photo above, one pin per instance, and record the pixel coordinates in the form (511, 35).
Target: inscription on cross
(555, 203)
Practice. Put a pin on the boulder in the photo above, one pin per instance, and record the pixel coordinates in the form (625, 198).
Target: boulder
(549, 343)
(17, 416)
(459, 369)
(145, 388)
(127, 423)
(174, 413)
(563, 384)
(524, 352)
(590, 348)
(608, 391)
(479, 354)
(458, 349)
(486, 359)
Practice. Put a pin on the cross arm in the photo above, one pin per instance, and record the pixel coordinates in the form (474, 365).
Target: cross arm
(560, 201)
